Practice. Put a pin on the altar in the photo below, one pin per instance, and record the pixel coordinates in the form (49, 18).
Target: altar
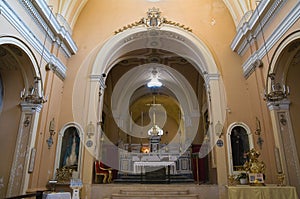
(135, 162)
(262, 192)
(139, 167)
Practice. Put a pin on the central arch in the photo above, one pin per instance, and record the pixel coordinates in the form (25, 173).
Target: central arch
(175, 40)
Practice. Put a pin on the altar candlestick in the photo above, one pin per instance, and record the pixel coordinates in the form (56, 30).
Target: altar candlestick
(130, 123)
(142, 119)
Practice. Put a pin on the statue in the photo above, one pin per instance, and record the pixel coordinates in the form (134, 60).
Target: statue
(72, 158)
(71, 151)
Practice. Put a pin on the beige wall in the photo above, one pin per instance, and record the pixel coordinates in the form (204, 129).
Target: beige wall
(9, 122)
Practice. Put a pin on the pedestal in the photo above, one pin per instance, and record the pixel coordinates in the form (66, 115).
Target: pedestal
(75, 194)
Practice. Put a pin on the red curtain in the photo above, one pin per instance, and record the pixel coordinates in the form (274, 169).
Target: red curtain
(202, 165)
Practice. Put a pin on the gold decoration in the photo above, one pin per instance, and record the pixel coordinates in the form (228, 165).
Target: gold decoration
(178, 25)
(255, 168)
(153, 20)
(231, 180)
(281, 178)
(137, 23)
(64, 175)
(254, 165)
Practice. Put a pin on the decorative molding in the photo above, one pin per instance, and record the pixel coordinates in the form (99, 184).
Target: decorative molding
(282, 28)
(29, 107)
(153, 34)
(279, 105)
(41, 13)
(15, 20)
(209, 77)
(153, 21)
(101, 80)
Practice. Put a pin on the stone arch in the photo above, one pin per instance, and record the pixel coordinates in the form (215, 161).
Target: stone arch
(20, 70)
(186, 44)
(172, 39)
(278, 68)
(283, 111)
(34, 63)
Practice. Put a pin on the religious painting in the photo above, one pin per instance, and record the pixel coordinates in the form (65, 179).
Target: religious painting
(240, 141)
(256, 178)
(70, 149)
(240, 146)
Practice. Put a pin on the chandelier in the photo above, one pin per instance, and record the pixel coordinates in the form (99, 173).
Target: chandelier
(275, 91)
(278, 90)
(34, 94)
(154, 82)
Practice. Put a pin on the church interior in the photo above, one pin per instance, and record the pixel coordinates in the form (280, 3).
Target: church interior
(149, 99)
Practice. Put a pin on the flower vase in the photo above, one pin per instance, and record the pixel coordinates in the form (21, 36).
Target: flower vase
(243, 181)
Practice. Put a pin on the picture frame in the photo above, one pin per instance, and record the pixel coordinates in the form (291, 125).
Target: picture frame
(256, 178)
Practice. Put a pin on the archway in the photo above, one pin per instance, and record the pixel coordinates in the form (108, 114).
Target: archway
(19, 73)
(174, 40)
(282, 82)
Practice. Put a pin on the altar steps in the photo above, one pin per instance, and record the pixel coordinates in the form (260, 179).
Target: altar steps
(136, 178)
(153, 194)
(156, 191)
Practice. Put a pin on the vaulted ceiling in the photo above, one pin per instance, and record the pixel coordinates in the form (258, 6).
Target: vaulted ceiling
(70, 9)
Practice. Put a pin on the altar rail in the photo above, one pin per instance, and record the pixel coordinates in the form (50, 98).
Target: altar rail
(37, 195)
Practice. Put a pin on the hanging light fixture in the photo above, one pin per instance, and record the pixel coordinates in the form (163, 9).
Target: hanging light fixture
(34, 94)
(154, 82)
(277, 92)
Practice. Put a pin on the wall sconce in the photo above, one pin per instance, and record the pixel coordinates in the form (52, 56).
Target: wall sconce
(52, 133)
(90, 129)
(260, 141)
(218, 129)
(34, 94)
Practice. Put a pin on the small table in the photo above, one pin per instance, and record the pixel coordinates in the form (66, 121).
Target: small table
(261, 192)
(57, 195)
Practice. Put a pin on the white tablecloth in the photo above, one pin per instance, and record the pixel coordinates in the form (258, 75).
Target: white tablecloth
(58, 195)
(138, 166)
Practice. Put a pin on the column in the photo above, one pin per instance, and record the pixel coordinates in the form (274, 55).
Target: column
(284, 140)
(19, 176)
(216, 101)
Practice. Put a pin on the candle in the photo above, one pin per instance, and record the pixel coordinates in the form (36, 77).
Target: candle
(130, 123)
(277, 159)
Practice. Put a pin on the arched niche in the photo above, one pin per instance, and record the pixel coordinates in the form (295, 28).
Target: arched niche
(69, 149)
(239, 142)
